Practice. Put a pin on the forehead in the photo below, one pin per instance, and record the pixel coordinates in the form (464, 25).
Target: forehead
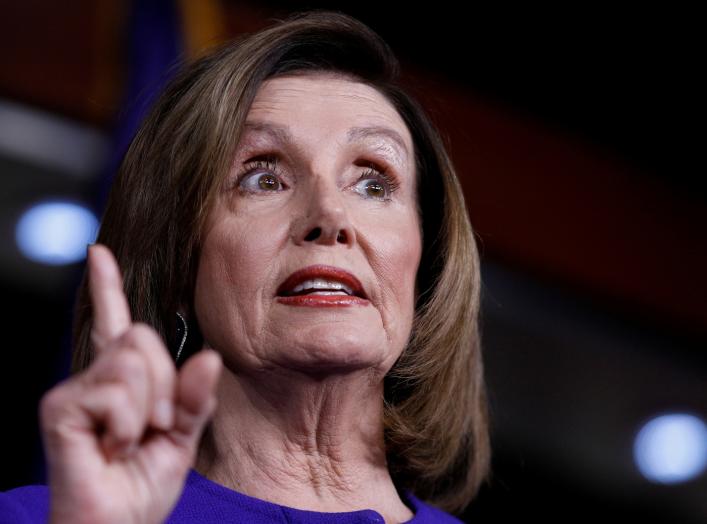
(329, 105)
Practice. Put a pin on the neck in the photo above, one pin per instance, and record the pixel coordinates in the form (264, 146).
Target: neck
(304, 441)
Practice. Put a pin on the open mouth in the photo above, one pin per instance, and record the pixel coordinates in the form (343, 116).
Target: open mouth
(320, 287)
(321, 281)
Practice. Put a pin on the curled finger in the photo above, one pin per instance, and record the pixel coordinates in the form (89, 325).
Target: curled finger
(161, 372)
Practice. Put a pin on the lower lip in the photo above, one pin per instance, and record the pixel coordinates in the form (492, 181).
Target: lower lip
(322, 301)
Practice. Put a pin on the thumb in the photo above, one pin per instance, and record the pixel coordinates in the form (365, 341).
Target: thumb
(196, 396)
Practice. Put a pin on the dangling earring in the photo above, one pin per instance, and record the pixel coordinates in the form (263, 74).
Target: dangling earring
(185, 332)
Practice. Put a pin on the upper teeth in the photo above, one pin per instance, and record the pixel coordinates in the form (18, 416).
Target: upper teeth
(320, 283)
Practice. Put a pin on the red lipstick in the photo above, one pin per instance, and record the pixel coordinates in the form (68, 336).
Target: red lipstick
(322, 301)
(358, 298)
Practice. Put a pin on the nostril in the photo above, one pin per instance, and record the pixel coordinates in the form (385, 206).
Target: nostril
(316, 232)
(313, 234)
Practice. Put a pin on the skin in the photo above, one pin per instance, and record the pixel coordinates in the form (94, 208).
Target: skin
(294, 394)
(120, 436)
(299, 417)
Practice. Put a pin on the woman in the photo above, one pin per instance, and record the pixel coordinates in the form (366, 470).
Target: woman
(288, 222)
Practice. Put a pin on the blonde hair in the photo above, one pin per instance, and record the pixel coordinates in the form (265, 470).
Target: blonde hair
(436, 416)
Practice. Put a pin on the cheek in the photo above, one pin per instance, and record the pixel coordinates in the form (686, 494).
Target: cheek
(397, 260)
(242, 249)
(235, 266)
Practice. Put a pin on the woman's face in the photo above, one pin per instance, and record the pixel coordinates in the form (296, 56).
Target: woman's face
(306, 189)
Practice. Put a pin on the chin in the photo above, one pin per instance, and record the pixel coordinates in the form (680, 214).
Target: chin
(334, 353)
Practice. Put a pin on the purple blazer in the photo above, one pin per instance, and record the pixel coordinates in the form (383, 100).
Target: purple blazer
(206, 502)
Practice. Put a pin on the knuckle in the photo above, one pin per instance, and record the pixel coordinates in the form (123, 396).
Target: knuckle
(128, 364)
(51, 402)
(118, 397)
(145, 338)
(133, 384)
(142, 333)
(123, 407)
(150, 344)
(128, 431)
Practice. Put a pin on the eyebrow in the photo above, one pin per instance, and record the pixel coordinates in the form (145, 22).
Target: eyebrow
(282, 133)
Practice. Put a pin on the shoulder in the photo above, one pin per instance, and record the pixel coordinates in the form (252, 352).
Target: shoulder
(26, 504)
(426, 513)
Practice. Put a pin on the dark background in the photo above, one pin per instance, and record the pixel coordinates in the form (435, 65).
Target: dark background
(578, 135)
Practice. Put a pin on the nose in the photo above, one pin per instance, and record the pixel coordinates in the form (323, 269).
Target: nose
(325, 219)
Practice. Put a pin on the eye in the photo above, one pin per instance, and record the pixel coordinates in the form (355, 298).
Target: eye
(261, 174)
(377, 184)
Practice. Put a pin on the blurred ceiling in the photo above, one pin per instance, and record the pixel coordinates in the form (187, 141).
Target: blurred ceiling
(583, 124)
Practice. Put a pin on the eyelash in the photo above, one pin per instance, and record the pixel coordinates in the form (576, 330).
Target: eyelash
(270, 163)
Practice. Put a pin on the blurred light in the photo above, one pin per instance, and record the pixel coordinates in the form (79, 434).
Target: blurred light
(671, 448)
(56, 233)
(47, 140)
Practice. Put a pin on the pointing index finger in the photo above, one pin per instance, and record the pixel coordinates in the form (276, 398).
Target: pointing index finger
(111, 314)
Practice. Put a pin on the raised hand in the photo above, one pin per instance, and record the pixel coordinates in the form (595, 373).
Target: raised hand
(120, 436)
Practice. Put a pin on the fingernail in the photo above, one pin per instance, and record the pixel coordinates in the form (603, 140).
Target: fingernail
(164, 414)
